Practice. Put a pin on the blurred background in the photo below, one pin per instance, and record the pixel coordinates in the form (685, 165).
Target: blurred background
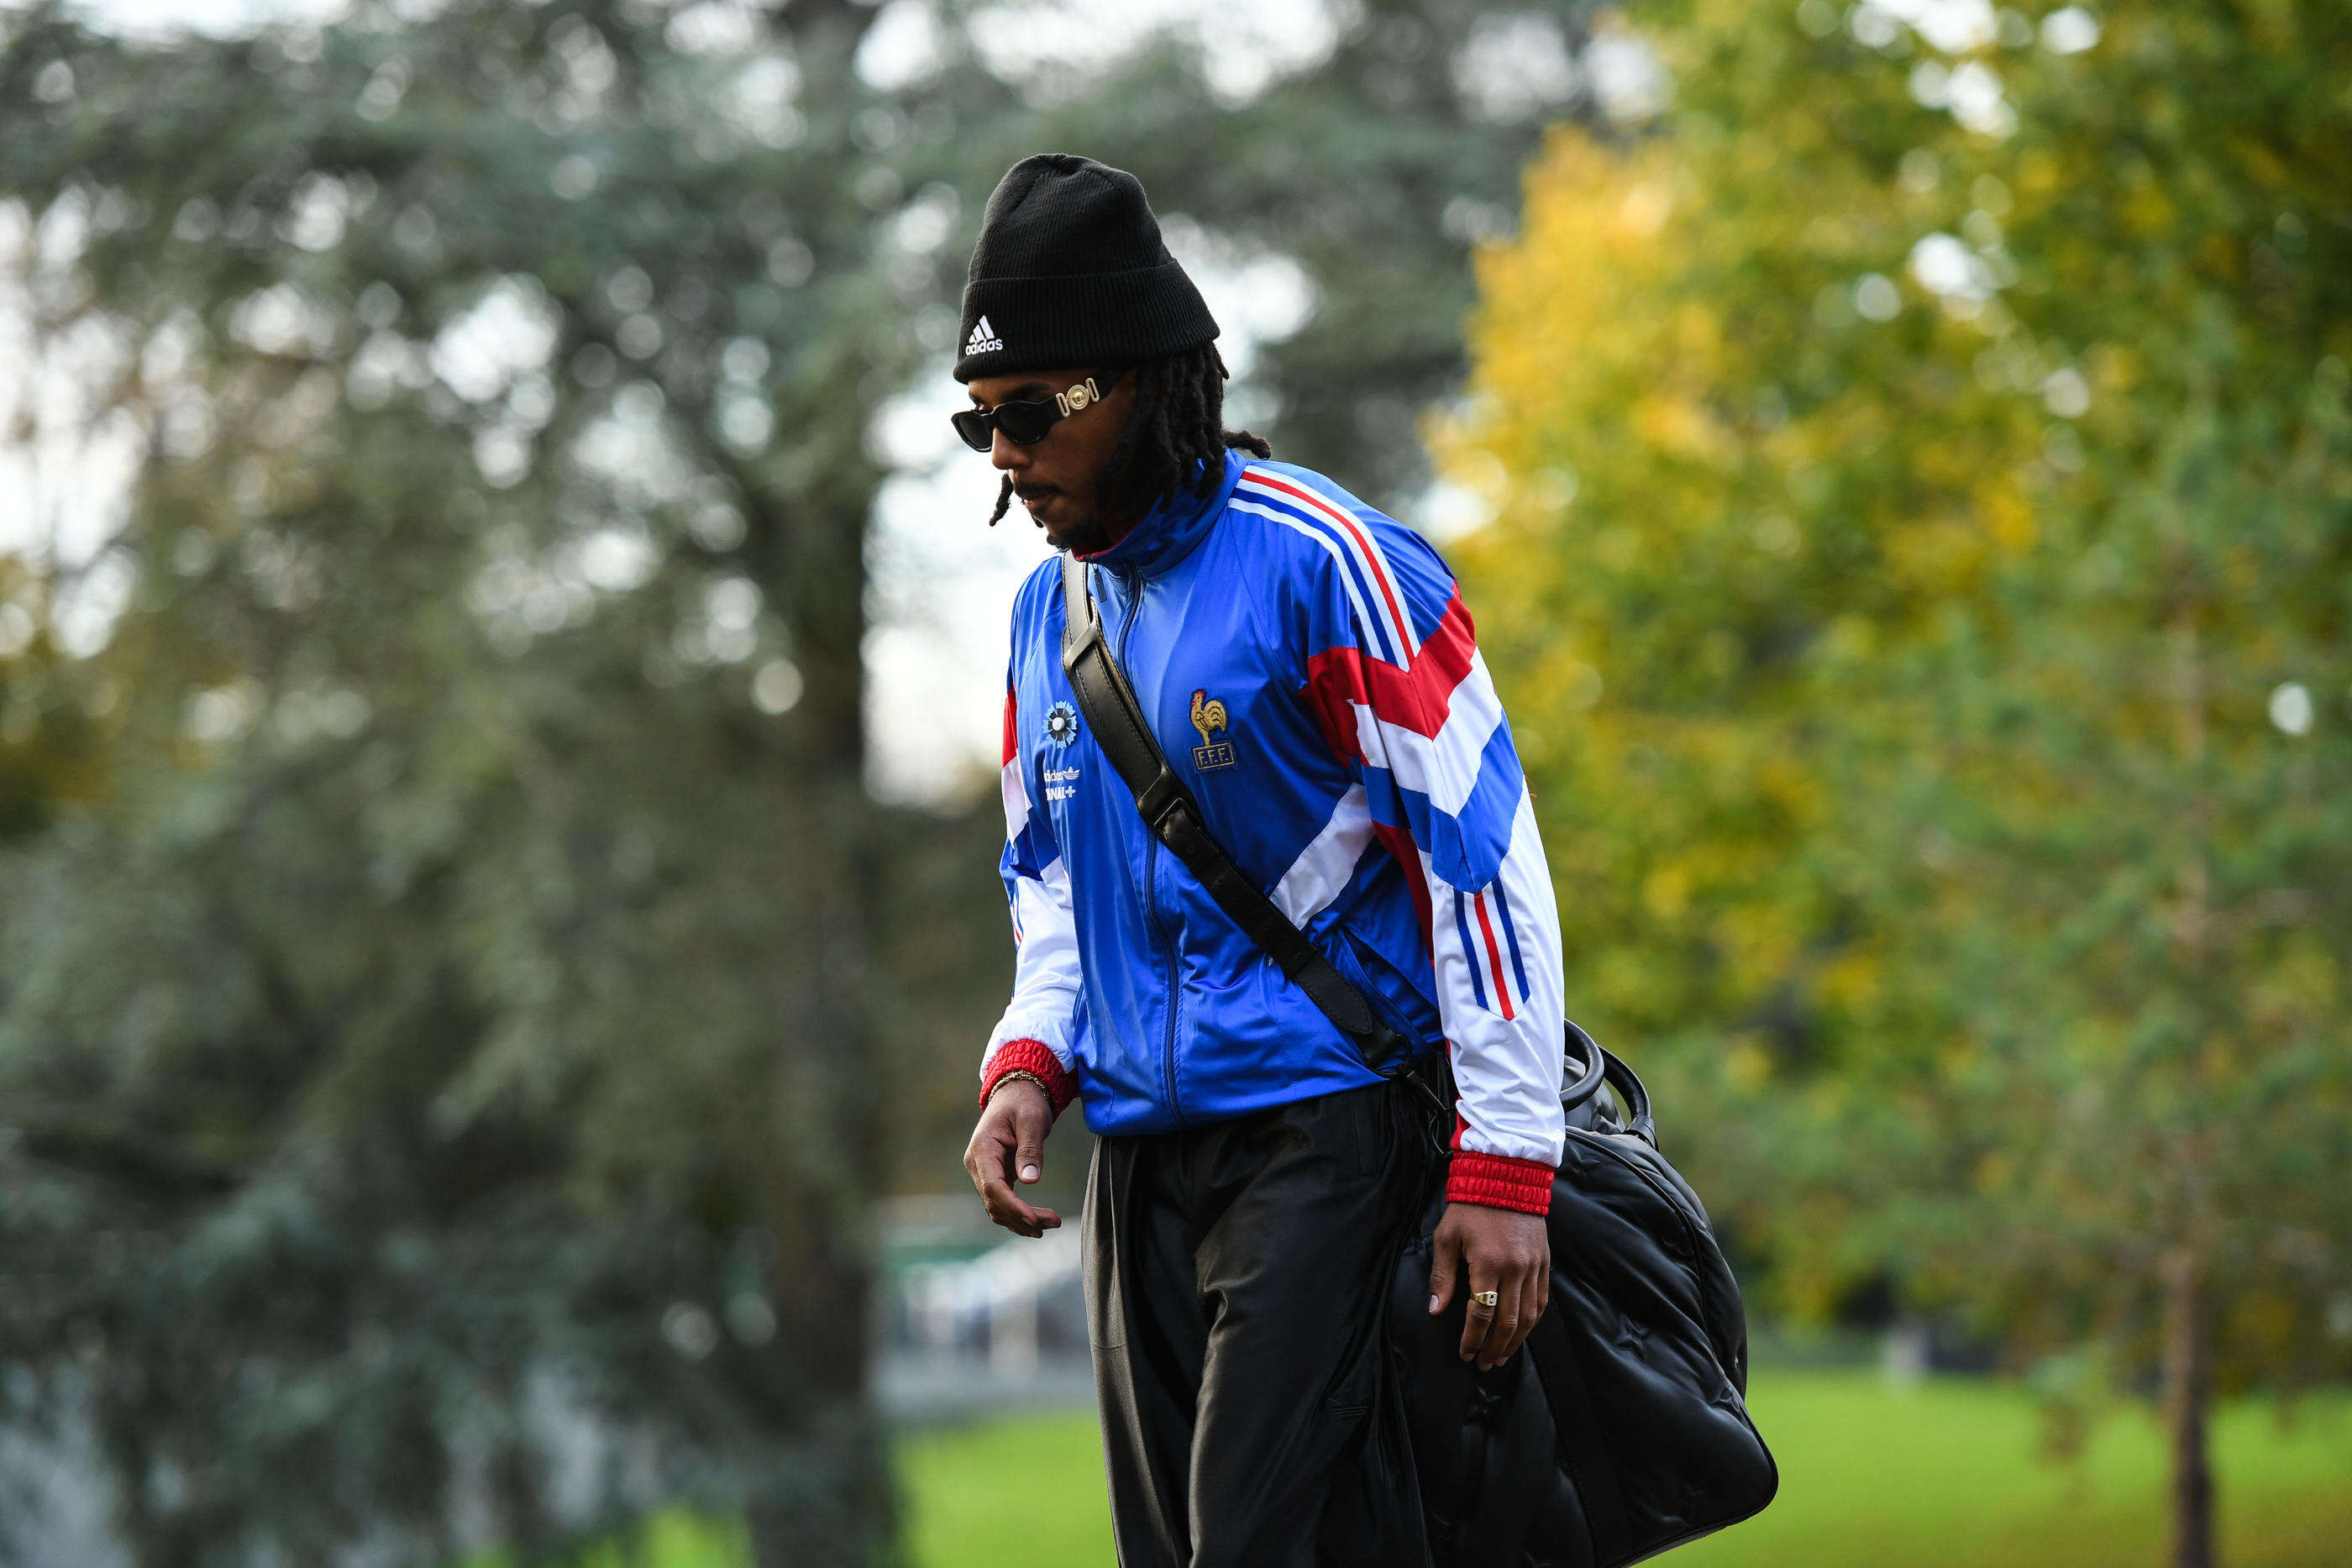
(500, 674)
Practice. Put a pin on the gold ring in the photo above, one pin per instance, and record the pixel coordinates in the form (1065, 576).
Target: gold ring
(1486, 1298)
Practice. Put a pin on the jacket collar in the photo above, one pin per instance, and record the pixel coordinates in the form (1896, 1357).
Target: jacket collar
(1171, 531)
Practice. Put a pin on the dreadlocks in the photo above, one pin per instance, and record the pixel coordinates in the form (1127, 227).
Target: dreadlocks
(1175, 424)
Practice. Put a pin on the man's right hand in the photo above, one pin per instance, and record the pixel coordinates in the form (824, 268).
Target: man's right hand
(1009, 1145)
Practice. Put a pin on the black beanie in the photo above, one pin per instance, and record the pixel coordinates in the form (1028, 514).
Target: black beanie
(1070, 270)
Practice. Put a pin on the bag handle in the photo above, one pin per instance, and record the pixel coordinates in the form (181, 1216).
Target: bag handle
(1595, 1066)
(1173, 817)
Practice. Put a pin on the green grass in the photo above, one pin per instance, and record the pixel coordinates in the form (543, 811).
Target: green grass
(1027, 1493)
(1947, 1473)
(1951, 1473)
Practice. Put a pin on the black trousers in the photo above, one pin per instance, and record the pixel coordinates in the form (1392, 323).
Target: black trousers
(1237, 1277)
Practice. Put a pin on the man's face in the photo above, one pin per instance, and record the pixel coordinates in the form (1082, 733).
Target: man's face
(1058, 479)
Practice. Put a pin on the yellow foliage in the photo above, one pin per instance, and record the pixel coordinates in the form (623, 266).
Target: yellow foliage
(1862, 484)
(1748, 1067)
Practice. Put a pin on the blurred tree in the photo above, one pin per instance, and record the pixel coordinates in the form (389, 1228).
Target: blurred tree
(465, 1013)
(1922, 484)
(52, 713)
(457, 1021)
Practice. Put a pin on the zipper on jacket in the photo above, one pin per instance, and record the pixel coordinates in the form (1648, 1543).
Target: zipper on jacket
(1151, 872)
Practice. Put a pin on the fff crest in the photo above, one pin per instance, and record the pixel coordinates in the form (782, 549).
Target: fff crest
(1209, 717)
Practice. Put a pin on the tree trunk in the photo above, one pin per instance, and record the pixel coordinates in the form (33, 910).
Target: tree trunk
(2186, 1396)
(2182, 1269)
(836, 1509)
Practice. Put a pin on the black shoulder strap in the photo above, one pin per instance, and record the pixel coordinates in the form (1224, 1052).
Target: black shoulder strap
(1174, 818)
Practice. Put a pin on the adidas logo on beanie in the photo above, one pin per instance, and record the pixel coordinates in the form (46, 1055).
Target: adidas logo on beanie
(1071, 272)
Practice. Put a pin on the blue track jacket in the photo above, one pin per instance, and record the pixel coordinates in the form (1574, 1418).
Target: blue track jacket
(1309, 669)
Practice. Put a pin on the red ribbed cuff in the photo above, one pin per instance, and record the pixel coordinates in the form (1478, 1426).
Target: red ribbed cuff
(1033, 1056)
(1498, 1181)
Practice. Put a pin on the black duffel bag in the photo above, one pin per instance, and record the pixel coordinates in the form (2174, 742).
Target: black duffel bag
(1623, 1430)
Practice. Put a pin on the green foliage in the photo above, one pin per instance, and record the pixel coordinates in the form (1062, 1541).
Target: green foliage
(1923, 494)
(52, 716)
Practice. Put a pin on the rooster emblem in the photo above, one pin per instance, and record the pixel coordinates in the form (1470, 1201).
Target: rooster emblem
(1207, 717)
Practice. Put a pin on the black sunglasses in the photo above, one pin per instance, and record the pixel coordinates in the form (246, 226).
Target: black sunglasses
(1025, 424)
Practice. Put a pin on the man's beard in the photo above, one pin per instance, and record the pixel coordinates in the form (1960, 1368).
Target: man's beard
(1090, 535)
(1090, 538)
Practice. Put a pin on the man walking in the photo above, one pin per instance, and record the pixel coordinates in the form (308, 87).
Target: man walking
(1310, 672)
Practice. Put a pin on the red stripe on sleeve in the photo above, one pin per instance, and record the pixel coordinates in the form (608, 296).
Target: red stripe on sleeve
(1494, 955)
(1011, 722)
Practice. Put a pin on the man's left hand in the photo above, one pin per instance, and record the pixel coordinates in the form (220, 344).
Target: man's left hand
(1501, 1251)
